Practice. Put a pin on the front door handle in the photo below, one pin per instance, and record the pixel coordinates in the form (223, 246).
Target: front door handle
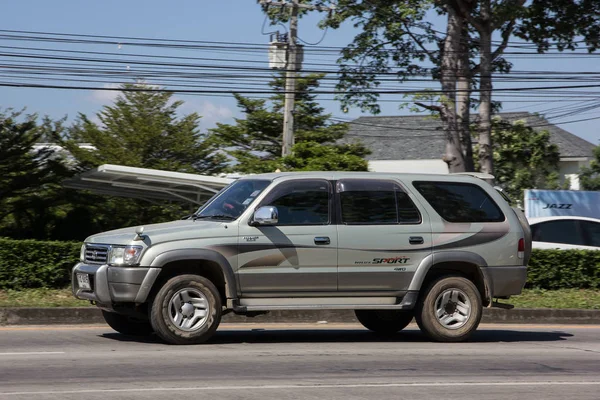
(416, 240)
(322, 240)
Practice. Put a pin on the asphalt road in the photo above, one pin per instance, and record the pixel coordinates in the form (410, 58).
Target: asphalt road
(301, 361)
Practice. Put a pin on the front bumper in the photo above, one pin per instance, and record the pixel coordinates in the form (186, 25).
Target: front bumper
(114, 284)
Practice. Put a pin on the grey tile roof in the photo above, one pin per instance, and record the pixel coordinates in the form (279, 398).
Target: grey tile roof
(420, 137)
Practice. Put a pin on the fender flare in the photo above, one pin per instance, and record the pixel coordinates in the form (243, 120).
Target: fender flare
(450, 256)
(201, 255)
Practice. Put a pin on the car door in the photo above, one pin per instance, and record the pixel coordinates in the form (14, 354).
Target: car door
(382, 236)
(298, 254)
(591, 232)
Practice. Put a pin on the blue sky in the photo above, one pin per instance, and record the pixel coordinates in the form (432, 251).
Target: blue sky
(224, 20)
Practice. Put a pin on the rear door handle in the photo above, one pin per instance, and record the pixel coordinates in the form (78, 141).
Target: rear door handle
(416, 240)
(322, 240)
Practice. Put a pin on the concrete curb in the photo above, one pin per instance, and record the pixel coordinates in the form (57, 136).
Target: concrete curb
(91, 315)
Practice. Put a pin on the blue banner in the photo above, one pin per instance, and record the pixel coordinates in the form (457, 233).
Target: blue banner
(550, 203)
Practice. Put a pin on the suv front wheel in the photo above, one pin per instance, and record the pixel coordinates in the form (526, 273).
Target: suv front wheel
(186, 310)
(450, 309)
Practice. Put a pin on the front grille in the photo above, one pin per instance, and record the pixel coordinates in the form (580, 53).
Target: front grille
(96, 254)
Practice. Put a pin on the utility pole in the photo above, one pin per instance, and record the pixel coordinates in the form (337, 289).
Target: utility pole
(292, 65)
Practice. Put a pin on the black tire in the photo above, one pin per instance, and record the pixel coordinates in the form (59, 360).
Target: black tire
(127, 325)
(163, 313)
(454, 325)
(384, 321)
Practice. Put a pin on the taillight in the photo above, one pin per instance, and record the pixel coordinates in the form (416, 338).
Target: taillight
(521, 248)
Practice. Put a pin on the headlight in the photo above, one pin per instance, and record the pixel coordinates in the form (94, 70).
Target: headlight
(82, 253)
(125, 255)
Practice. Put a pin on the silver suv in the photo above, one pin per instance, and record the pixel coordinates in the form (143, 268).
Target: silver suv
(392, 247)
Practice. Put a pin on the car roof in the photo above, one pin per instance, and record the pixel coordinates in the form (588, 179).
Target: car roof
(365, 175)
(537, 220)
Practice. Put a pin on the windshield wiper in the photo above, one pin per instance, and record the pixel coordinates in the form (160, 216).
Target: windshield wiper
(218, 216)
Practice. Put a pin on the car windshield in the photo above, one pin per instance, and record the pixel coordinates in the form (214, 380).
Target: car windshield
(233, 200)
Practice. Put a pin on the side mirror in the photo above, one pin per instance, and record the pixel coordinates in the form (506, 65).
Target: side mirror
(265, 216)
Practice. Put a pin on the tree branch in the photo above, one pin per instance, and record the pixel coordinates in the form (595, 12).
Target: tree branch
(505, 38)
(429, 107)
(462, 7)
(419, 43)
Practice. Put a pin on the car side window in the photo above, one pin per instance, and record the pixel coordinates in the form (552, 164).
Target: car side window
(371, 202)
(301, 202)
(591, 230)
(460, 202)
(563, 231)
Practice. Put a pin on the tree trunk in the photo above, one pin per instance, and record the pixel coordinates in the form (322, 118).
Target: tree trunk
(463, 100)
(485, 106)
(453, 156)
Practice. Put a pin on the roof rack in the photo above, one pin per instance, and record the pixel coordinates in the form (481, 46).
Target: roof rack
(480, 175)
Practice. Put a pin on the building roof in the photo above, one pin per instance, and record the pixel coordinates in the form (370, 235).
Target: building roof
(148, 184)
(420, 137)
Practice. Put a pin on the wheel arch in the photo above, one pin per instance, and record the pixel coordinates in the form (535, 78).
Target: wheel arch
(462, 263)
(208, 263)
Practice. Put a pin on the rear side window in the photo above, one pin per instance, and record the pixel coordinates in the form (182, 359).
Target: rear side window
(564, 231)
(460, 202)
(374, 202)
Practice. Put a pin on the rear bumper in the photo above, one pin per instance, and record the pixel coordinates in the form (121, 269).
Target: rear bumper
(114, 284)
(505, 280)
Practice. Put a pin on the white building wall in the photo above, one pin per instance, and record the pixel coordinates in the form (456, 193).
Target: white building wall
(409, 166)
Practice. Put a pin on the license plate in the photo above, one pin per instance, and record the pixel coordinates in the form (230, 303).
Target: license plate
(83, 281)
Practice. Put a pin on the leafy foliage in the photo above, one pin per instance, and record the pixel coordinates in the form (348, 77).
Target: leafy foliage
(255, 142)
(589, 178)
(31, 263)
(524, 158)
(563, 269)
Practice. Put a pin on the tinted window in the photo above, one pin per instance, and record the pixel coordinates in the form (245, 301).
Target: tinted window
(563, 231)
(302, 202)
(591, 230)
(375, 202)
(233, 200)
(460, 202)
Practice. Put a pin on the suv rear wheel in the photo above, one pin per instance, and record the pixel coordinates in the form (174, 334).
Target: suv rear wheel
(450, 309)
(186, 310)
(384, 321)
(127, 325)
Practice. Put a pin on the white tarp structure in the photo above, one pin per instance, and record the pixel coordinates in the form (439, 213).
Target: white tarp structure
(550, 203)
(148, 184)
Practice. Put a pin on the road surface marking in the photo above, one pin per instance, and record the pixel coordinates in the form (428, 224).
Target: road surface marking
(28, 353)
(308, 386)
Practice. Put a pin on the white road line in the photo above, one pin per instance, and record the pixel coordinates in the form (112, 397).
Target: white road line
(34, 353)
(309, 386)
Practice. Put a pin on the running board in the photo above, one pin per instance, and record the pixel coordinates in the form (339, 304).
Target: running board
(243, 306)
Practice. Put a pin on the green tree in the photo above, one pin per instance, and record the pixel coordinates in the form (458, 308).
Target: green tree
(395, 39)
(142, 129)
(30, 177)
(589, 177)
(255, 141)
(524, 158)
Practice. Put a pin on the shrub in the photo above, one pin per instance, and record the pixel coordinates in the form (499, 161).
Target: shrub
(35, 264)
(563, 269)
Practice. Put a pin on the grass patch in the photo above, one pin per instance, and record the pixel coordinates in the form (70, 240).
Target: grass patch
(531, 298)
(561, 298)
(40, 298)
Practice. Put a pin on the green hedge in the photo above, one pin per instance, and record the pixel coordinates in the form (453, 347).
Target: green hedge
(33, 264)
(564, 269)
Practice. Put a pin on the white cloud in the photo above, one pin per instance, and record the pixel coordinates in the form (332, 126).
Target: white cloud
(105, 96)
(211, 113)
